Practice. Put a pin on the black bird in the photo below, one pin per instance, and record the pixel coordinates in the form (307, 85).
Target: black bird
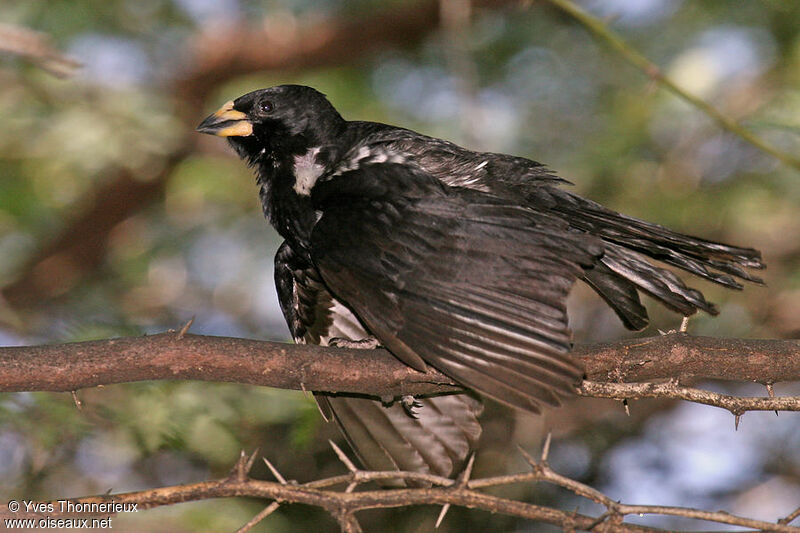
(447, 257)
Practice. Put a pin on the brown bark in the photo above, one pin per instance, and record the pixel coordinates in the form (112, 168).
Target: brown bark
(463, 492)
(681, 356)
(66, 367)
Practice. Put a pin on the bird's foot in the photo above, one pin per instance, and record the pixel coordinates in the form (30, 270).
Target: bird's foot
(681, 329)
(370, 343)
(409, 404)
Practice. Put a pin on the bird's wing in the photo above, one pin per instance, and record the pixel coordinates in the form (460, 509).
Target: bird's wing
(288, 267)
(443, 430)
(436, 438)
(451, 164)
(313, 315)
(624, 269)
(470, 284)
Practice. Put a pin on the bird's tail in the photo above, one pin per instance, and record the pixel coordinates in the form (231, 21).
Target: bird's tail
(622, 270)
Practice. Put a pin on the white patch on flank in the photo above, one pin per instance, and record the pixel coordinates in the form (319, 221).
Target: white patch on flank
(344, 325)
(481, 165)
(306, 171)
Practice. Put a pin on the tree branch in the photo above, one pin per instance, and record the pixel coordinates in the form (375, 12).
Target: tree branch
(72, 366)
(613, 370)
(737, 405)
(611, 367)
(443, 491)
(684, 357)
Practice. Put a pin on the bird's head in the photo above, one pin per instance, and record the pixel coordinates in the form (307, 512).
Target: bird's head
(286, 118)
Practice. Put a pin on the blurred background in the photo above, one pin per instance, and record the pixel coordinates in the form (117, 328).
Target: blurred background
(117, 219)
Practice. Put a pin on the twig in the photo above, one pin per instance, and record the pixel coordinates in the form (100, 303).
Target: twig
(790, 517)
(185, 329)
(543, 472)
(343, 505)
(275, 472)
(364, 476)
(636, 58)
(241, 469)
(546, 448)
(347, 521)
(461, 482)
(77, 401)
(348, 463)
(737, 405)
(343, 457)
(268, 510)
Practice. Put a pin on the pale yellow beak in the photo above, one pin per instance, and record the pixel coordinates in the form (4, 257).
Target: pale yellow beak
(227, 122)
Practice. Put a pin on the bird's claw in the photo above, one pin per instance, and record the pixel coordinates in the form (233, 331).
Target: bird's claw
(410, 403)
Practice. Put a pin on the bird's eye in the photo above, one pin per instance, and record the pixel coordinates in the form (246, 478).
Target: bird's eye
(266, 106)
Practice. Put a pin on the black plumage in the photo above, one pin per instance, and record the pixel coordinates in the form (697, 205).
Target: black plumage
(443, 429)
(448, 257)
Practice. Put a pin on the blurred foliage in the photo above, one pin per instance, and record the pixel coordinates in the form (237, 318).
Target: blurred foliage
(543, 88)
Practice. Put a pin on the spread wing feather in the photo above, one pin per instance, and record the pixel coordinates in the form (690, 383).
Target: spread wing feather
(436, 440)
(444, 430)
(692, 254)
(620, 294)
(463, 281)
(624, 268)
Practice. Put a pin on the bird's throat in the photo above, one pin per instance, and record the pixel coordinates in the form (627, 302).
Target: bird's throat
(290, 212)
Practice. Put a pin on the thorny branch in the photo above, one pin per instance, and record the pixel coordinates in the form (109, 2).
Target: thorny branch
(737, 405)
(343, 504)
(629, 369)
